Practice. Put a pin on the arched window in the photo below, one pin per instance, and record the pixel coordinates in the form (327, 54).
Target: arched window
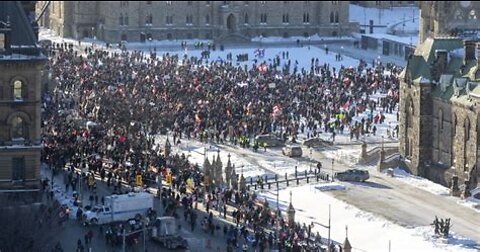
(17, 90)
(17, 128)
(440, 119)
(121, 19)
(207, 19)
(332, 17)
(467, 129)
(246, 18)
(472, 15)
(306, 18)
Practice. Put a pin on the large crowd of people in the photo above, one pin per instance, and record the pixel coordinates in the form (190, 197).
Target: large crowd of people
(108, 106)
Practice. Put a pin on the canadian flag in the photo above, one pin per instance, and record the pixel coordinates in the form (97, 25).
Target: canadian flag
(262, 68)
(276, 110)
(346, 105)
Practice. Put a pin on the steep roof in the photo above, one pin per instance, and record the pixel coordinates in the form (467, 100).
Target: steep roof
(22, 38)
(462, 80)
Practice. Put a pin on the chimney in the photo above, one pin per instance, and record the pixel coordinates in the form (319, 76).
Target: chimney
(469, 50)
(478, 56)
(441, 58)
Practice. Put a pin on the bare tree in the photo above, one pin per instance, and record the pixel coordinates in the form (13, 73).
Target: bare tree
(28, 227)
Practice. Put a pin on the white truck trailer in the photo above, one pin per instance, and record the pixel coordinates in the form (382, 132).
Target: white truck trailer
(120, 208)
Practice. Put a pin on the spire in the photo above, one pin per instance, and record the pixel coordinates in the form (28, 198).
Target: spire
(219, 161)
(347, 247)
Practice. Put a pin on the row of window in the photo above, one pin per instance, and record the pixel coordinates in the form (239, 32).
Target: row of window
(169, 3)
(123, 19)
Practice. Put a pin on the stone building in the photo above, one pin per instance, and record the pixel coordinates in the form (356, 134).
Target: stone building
(439, 111)
(217, 20)
(449, 18)
(21, 64)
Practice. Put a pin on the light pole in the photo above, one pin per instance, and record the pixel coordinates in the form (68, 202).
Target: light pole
(333, 160)
(328, 227)
(310, 164)
(341, 52)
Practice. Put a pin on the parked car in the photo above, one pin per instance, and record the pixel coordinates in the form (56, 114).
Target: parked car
(353, 175)
(292, 151)
(271, 140)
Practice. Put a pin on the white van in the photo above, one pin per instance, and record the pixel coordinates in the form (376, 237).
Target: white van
(120, 208)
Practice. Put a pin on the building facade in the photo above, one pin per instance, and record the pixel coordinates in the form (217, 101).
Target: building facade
(21, 64)
(218, 20)
(449, 18)
(440, 111)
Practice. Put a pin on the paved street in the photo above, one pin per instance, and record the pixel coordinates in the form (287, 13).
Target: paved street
(72, 230)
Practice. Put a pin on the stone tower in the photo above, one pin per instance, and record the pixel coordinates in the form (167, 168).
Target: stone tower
(213, 170)
(21, 64)
(218, 170)
(234, 179)
(291, 212)
(415, 117)
(449, 18)
(242, 184)
(206, 169)
(228, 172)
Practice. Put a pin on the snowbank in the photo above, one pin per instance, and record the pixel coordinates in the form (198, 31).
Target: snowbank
(420, 182)
(330, 187)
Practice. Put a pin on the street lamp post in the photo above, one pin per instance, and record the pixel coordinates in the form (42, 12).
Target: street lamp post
(333, 160)
(328, 227)
(310, 164)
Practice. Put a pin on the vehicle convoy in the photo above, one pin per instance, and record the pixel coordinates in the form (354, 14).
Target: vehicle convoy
(120, 208)
(165, 232)
(353, 175)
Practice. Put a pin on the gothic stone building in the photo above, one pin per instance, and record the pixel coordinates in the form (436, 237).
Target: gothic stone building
(21, 63)
(113, 21)
(449, 18)
(440, 111)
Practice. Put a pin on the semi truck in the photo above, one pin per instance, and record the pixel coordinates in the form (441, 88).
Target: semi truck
(120, 208)
(165, 231)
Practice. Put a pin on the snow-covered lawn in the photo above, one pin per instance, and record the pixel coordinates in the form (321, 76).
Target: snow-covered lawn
(366, 231)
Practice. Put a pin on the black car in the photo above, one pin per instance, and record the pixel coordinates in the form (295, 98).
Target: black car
(353, 175)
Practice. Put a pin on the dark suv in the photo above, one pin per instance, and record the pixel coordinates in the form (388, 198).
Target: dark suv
(353, 175)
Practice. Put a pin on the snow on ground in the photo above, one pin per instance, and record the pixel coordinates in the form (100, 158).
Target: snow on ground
(470, 202)
(387, 17)
(434, 188)
(349, 156)
(303, 55)
(314, 38)
(420, 182)
(366, 232)
(333, 186)
(64, 198)
(195, 151)
(251, 163)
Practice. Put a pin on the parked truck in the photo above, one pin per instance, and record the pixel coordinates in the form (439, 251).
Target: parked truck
(165, 231)
(120, 208)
